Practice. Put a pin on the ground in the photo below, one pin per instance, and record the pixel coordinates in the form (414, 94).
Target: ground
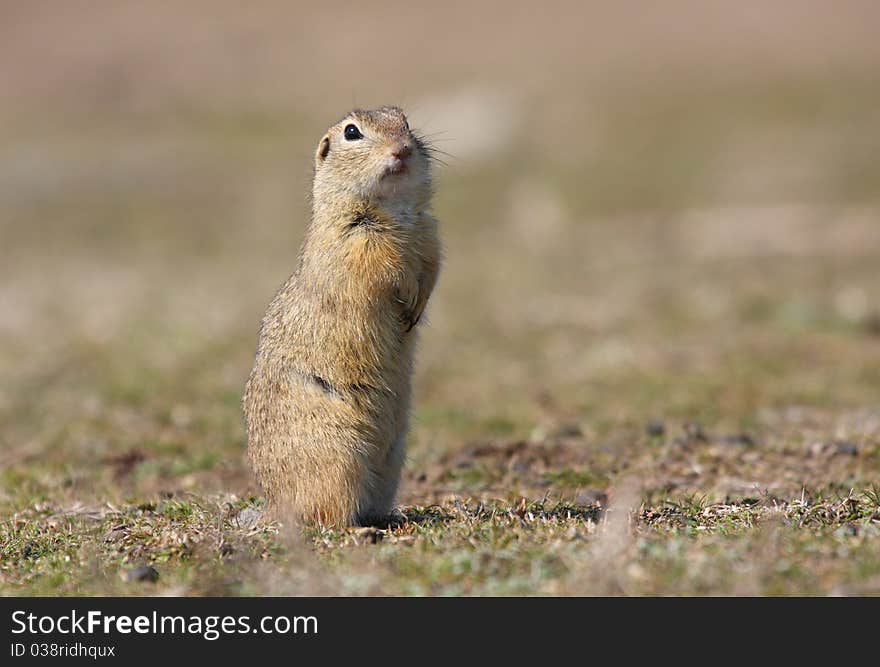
(651, 365)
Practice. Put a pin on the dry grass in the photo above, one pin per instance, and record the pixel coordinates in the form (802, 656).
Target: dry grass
(652, 364)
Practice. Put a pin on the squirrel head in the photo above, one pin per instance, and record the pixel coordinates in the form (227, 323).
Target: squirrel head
(373, 156)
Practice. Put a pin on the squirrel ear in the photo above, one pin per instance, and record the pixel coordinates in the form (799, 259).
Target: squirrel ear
(323, 148)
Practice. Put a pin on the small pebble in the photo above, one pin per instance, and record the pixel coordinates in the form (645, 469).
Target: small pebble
(656, 429)
(738, 439)
(248, 517)
(142, 573)
(570, 430)
(848, 448)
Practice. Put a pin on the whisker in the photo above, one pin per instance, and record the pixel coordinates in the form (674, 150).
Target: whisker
(434, 149)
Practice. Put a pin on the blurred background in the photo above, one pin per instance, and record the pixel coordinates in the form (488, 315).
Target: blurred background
(652, 212)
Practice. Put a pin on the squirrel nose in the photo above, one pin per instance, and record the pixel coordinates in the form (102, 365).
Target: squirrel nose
(402, 151)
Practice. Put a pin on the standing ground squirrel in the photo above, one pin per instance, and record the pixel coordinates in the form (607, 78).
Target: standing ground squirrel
(327, 404)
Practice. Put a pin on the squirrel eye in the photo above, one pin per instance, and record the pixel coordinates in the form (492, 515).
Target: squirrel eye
(352, 133)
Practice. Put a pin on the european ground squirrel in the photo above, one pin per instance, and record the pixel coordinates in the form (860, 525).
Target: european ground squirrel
(327, 404)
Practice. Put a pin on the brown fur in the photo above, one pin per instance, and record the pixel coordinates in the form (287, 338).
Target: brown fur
(326, 406)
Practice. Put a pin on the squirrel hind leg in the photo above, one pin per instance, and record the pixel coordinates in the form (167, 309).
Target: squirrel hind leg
(378, 498)
(325, 499)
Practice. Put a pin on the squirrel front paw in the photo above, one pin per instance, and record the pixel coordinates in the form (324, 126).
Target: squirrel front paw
(412, 306)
